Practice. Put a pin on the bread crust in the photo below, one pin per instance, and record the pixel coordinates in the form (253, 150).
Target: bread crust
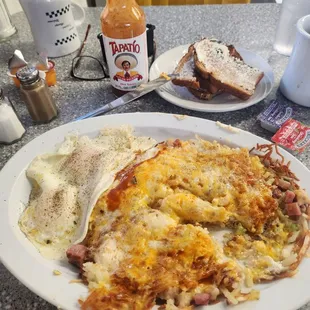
(204, 84)
(214, 80)
(197, 85)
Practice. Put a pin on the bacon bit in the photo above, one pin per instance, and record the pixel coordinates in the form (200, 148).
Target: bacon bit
(177, 143)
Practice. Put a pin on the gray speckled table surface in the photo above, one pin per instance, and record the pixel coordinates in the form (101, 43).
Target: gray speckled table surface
(251, 26)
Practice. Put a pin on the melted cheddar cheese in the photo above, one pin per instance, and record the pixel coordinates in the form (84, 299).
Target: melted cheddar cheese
(148, 233)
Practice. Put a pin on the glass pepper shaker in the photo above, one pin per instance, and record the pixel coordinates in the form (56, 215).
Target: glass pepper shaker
(36, 94)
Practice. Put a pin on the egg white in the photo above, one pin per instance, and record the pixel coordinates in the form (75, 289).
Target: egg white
(67, 184)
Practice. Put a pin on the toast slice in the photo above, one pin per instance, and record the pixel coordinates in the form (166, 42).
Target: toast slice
(186, 71)
(200, 87)
(188, 77)
(225, 68)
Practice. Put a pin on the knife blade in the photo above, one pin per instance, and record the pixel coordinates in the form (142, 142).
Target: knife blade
(130, 96)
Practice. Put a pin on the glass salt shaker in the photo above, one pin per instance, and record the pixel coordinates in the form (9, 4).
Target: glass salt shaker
(36, 94)
(11, 129)
(291, 12)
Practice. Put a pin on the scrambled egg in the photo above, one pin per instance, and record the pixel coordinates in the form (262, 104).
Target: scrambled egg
(66, 185)
(149, 234)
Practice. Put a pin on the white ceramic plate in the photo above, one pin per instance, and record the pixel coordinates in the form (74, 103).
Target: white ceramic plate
(181, 97)
(23, 260)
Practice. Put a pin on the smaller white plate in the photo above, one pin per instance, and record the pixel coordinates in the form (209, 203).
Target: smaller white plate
(181, 97)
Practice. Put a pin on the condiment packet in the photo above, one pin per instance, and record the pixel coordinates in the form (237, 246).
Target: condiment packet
(276, 114)
(293, 136)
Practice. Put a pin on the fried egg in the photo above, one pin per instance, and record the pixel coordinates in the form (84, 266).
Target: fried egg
(66, 185)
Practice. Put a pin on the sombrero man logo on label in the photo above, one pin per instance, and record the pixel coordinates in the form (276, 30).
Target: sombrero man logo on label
(127, 61)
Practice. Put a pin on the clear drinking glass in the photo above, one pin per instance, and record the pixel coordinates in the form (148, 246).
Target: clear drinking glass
(291, 11)
(6, 27)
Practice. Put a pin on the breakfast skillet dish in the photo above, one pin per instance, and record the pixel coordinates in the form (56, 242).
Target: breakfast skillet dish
(180, 224)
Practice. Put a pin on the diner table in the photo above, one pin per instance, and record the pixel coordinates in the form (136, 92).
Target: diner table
(251, 26)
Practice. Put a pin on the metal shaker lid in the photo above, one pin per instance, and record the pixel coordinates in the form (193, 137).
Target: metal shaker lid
(27, 75)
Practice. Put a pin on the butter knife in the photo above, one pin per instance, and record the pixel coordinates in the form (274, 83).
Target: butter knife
(130, 96)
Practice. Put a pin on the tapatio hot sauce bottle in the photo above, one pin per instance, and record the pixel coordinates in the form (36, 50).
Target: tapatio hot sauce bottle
(124, 34)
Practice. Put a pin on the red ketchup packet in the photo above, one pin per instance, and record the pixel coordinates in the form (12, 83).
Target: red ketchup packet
(293, 136)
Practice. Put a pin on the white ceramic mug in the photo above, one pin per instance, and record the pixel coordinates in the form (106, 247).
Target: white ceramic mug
(295, 83)
(53, 26)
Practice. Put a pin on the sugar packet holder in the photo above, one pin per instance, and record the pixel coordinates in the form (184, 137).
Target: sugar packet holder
(293, 136)
(275, 115)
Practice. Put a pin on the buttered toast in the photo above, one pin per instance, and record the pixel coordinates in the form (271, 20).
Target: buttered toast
(210, 68)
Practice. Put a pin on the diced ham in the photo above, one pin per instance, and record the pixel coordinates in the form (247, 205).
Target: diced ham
(289, 197)
(284, 184)
(202, 299)
(293, 209)
(77, 254)
(277, 193)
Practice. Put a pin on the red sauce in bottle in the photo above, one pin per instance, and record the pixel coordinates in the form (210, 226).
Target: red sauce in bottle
(124, 34)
